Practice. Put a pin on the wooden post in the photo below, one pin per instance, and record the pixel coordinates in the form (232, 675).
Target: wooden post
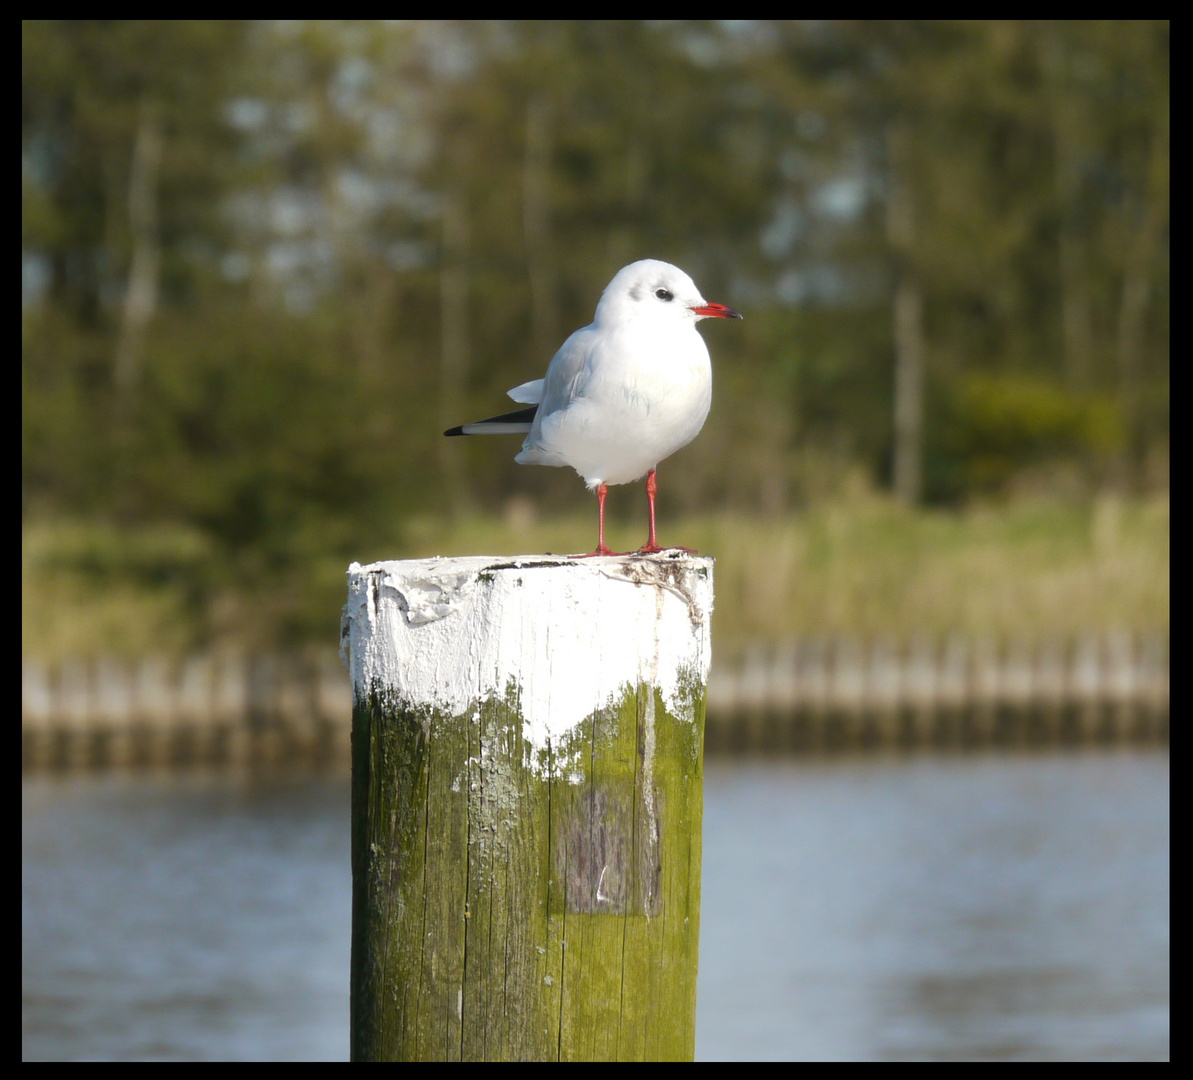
(527, 770)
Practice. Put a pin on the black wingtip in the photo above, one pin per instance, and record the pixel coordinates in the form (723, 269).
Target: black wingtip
(454, 431)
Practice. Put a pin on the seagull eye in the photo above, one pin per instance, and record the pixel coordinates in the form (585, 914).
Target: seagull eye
(663, 294)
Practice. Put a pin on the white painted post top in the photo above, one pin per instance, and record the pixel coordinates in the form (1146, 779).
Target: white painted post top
(569, 634)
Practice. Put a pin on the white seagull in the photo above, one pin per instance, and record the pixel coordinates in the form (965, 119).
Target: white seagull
(622, 393)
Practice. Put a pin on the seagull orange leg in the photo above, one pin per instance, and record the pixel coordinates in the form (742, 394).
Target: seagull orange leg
(652, 545)
(652, 487)
(601, 548)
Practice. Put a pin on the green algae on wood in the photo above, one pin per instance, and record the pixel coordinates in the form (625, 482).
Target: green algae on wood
(502, 913)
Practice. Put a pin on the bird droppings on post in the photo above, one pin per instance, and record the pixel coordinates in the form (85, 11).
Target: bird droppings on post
(527, 800)
(662, 636)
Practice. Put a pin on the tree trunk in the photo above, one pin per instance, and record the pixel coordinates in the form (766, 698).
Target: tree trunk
(140, 297)
(907, 324)
(536, 227)
(1138, 273)
(454, 342)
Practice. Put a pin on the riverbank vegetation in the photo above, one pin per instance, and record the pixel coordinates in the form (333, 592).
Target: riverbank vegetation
(862, 567)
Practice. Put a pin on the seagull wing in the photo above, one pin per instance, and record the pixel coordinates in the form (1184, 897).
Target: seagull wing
(565, 374)
(563, 392)
(511, 423)
(569, 371)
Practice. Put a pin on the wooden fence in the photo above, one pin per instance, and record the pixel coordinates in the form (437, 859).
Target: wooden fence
(960, 692)
(792, 697)
(204, 710)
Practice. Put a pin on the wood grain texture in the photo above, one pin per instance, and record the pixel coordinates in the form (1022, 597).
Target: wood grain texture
(506, 912)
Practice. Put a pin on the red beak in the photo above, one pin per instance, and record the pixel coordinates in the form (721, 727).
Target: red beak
(716, 311)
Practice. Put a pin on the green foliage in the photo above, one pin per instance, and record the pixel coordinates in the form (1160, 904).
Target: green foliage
(996, 427)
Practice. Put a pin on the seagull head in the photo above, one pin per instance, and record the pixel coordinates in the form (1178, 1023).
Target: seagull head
(654, 290)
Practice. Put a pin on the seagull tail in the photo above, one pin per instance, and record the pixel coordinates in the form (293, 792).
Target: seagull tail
(529, 393)
(511, 423)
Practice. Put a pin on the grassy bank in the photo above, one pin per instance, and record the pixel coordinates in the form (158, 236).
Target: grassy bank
(864, 568)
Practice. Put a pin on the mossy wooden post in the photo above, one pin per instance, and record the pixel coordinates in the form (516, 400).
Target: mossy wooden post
(527, 770)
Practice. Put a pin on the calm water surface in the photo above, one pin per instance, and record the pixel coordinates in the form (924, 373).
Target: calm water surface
(1011, 908)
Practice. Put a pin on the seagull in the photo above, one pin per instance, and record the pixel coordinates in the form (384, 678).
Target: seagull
(622, 393)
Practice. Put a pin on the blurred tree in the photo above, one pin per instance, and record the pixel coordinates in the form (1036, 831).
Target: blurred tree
(123, 155)
(1009, 159)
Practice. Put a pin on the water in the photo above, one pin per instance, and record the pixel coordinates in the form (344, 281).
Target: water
(1006, 908)
(181, 919)
(1000, 908)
